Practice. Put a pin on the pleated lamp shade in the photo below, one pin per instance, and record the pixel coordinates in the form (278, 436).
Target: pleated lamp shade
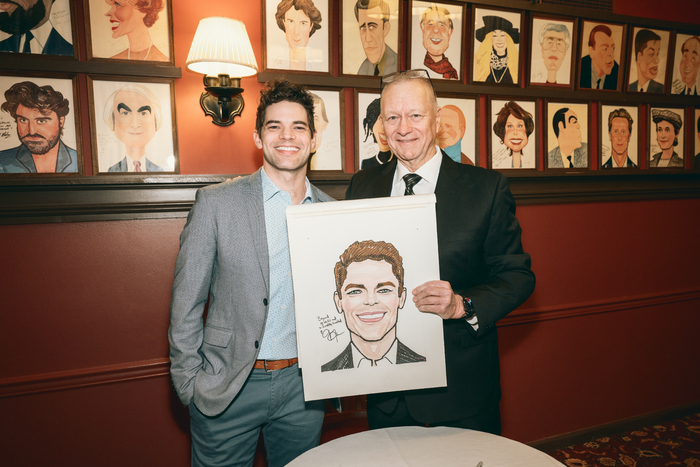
(221, 46)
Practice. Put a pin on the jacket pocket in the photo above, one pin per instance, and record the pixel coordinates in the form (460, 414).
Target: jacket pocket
(217, 336)
(215, 350)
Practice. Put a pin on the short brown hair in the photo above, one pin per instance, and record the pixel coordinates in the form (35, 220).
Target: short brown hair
(43, 98)
(306, 6)
(279, 90)
(368, 249)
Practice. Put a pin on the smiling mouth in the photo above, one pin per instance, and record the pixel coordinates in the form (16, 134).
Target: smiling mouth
(516, 142)
(435, 40)
(371, 317)
(115, 24)
(290, 149)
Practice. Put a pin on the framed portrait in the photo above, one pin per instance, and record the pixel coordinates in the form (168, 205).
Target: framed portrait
(371, 146)
(552, 44)
(130, 30)
(369, 41)
(567, 133)
(436, 34)
(648, 58)
(686, 65)
(513, 143)
(496, 46)
(696, 133)
(618, 136)
(43, 138)
(458, 131)
(296, 35)
(328, 155)
(133, 125)
(45, 28)
(601, 49)
(665, 144)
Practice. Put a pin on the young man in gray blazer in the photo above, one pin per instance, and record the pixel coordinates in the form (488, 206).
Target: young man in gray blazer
(238, 371)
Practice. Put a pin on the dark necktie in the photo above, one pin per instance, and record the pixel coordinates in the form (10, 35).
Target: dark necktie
(376, 70)
(597, 86)
(410, 180)
(27, 49)
(571, 164)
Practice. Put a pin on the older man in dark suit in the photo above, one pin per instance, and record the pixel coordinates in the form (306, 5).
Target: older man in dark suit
(484, 273)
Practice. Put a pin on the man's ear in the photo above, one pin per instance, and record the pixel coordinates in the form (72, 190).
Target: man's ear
(257, 140)
(387, 27)
(61, 121)
(561, 126)
(338, 305)
(402, 298)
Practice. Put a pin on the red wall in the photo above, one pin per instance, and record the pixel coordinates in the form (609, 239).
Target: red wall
(610, 332)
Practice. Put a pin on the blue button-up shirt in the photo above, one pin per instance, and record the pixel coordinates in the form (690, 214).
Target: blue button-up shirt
(280, 338)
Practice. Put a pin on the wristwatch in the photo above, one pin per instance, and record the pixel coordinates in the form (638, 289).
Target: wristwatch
(468, 309)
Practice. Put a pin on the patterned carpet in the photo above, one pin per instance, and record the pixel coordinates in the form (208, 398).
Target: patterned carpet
(674, 443)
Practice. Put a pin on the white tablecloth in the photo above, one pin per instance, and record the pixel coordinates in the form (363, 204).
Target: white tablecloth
(416, 446)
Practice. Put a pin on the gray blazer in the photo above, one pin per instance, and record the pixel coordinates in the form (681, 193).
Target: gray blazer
(390, 66)
(580, 157)
(223, 259)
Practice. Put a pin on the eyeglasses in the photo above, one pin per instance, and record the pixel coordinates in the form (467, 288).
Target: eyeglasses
(417, 73)
(548, 42)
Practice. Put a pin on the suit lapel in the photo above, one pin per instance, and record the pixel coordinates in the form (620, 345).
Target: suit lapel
(386, 177)
(256, 222)
(24, 157)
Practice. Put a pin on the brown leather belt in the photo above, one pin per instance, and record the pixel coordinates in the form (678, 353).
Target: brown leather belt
(272, 365)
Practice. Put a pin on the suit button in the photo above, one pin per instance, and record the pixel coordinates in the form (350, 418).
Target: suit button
(256, 344)
(265, 301)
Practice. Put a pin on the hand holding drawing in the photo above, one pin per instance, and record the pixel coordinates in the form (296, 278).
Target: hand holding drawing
(437, 297)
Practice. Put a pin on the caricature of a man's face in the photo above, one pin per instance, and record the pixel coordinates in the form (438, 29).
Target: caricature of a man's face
(373, 31)
(297, 27)
(690, 61)
(370, 299)
(134, 122)
(570, 135)
(619, 135)
(602, 54)
(648, 60)
(436, 32)
(553, 49)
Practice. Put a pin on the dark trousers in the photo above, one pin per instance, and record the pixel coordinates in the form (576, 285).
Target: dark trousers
(488, 421)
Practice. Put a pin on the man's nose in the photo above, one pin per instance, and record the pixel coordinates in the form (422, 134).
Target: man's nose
(371, 298)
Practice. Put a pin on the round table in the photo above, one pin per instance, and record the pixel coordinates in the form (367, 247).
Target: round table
(417, 446)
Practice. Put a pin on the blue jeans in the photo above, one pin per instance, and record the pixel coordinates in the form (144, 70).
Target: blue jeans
(272, 401)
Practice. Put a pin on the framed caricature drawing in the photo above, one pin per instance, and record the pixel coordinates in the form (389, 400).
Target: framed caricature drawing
(618, 136)
(38, 27)
(370, 37)
(371, 146)
(496, 42)
(666, 148)
(567, 135)
(296, 35)
(458, 128)
(436, 38)
(133, 126)
(648, 60)
(130, 30)
(601, 51)
(513, 142)
(39, 132)
(686, 65)
(551, 51)
(329, 119)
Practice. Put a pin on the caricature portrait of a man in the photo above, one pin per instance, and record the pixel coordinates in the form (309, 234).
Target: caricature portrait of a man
(134, 114)
(571, 151)
(373, 20)
(555, 41)
(373, 127)
(453, 125)
(437, 29)
(298, 20)
(668, 126)
(369, 293)
(619, 130)
(29, 23)
(599, 70)
(647, 46)
(40, 114)
(688, 66)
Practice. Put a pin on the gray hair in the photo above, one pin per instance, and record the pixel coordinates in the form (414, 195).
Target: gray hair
(143, 91)
(556, 28)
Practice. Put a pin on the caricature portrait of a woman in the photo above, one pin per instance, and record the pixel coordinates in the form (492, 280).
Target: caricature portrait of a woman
(496, 60)
(133, 19)
(513, 127)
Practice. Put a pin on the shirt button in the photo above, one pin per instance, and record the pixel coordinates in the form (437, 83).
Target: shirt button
(256, 344)
(265, 301)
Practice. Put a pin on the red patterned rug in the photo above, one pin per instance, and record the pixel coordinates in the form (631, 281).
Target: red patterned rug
(674, 443)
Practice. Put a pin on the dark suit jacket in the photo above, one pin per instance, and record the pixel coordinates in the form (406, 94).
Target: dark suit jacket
(653, 86)
(610, 81)
(481, 256)
(609, 163)
(55, 44)
(344, 360)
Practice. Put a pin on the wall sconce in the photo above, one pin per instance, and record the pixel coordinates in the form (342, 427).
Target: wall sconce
(221, 50)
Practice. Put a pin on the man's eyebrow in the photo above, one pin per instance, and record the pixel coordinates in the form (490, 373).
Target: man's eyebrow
(123, 106)
(573, 118)
(384, 284)
(144, 108)
(355, 286)
(370, 23)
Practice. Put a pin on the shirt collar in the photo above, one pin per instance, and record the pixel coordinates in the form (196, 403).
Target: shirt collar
(358, 359)
(270, 189)
(41, 34)
(428, 171)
